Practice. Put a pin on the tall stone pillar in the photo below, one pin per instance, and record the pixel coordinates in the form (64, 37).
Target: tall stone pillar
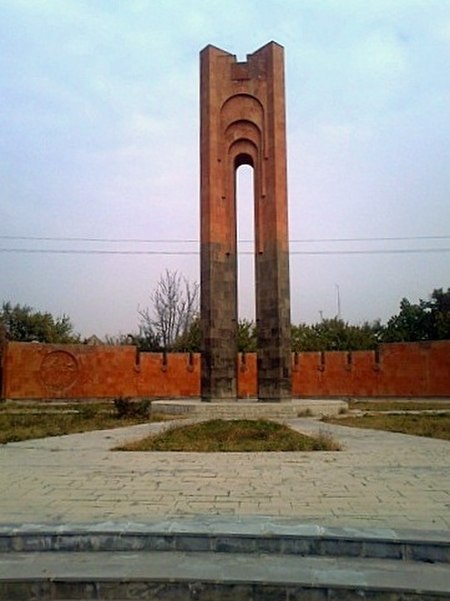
(243, 122)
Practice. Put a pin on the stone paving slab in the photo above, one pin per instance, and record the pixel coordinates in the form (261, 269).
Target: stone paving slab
(380, 479)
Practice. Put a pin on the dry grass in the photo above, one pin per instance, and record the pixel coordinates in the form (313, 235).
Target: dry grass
(400, 405)
(36, 420)
(430, 425)
(233, 436)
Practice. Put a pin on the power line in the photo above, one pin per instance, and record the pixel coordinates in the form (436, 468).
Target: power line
(195, 240)
(373, 239)
(71, 251)
(76, 251)
(122, 240)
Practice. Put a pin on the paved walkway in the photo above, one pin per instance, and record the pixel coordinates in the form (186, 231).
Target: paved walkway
(380, 479)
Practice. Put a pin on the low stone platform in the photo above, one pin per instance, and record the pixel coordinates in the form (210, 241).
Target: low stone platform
(252, 409)
(219, 559)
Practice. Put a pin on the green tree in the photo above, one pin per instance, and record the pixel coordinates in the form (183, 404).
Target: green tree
(335, 335)
(147, 340)
(190, 340)
(411, 324)
(246, 336)
(328, 335)
(23, 324)
(439, 306)
(305, 338)
(425, 320)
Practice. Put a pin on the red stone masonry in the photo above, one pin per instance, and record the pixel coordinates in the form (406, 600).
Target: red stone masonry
(242, 116)
(45, 371)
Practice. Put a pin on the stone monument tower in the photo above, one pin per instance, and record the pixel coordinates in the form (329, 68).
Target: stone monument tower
(243, 123)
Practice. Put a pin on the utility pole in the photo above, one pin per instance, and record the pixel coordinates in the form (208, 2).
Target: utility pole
(338, 299)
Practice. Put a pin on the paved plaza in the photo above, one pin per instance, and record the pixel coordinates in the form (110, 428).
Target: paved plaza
(380, 479)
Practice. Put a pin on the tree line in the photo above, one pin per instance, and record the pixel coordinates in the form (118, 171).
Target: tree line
(171, 323)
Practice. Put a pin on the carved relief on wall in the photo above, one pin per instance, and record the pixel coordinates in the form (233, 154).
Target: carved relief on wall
(59, 370)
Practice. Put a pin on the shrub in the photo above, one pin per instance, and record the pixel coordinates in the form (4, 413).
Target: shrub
(127, 408)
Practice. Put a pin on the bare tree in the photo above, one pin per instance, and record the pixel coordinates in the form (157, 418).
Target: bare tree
(174, 309)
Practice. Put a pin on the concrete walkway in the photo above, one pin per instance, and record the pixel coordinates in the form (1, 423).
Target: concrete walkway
(380, 479)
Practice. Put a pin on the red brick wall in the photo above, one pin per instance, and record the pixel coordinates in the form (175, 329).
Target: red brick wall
(35, 371)
(402, 369)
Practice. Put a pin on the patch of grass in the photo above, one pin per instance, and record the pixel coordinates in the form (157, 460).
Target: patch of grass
(431, 425)
(400, 405)
(36, 420)
(241, 435)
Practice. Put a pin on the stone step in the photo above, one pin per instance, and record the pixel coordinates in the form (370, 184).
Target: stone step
(253, 535)
(178, 576)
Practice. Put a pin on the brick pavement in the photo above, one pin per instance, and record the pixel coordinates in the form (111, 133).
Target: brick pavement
(380, 479)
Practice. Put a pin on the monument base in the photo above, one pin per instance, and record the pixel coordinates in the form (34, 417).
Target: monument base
(251, 408)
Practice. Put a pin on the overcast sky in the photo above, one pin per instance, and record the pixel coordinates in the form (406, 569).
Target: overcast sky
(99, 118)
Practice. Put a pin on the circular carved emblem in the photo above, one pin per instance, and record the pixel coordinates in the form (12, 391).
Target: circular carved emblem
(59, 370)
